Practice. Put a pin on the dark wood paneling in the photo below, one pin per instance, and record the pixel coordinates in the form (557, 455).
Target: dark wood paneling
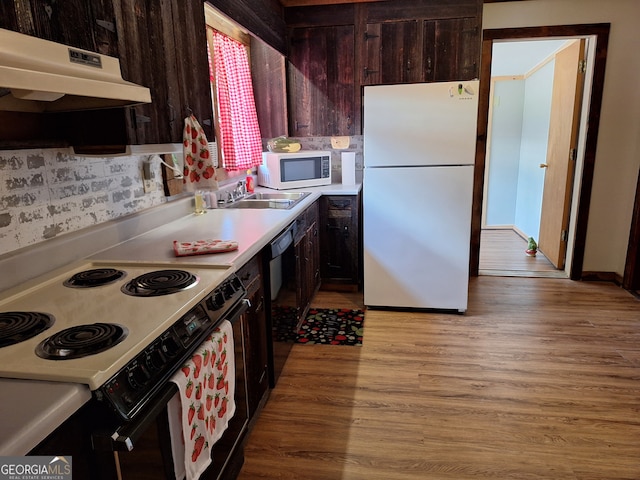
(394, 42)
(451, 49)
(264, 19)
(424, 9)
(400, 52)
(72, 22)
(192, 68)
(268, 71)
(141, 27)
(158, 51)
(320, 16)
(321, 81)
(10, 20)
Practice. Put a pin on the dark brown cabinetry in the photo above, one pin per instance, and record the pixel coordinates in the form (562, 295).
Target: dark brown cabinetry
(340, 241)
(255, 336)
(421, 51)
(86, 24)
(321, 89)
(335, 50)
(160, 44)
(307, 252)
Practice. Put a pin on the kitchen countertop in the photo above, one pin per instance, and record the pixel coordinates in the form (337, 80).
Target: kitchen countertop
(252, 229)
(31, 410)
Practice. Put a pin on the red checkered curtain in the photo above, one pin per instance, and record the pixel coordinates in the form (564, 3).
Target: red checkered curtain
(238, 120)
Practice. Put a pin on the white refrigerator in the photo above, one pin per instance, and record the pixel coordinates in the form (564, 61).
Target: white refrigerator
(419, 153)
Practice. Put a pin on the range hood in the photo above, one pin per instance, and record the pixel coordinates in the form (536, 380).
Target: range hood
(41, 76)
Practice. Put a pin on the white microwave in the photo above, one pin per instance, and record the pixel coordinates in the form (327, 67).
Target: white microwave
(305, 168)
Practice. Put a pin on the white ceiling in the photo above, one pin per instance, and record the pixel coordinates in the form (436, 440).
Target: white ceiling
(517, 58)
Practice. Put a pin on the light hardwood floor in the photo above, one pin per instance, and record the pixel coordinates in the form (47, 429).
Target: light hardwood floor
(540, 379)
(502, 253)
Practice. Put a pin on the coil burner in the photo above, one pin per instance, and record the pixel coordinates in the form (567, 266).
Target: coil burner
(81, 341)
(160, 282)
(16, 327)
(94, 278)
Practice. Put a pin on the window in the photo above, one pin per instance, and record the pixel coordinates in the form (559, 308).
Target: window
(235, 117)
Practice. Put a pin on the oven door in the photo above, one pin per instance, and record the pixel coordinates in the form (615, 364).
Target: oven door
(141, 448)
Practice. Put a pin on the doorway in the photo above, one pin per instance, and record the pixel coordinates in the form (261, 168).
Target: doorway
(598, 33)
(534, 113)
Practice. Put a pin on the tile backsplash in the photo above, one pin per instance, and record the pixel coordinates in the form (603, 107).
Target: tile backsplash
(324, 143)
(46, 192)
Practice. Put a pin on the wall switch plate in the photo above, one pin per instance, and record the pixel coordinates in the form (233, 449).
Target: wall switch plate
(147, 178)
(149, 185)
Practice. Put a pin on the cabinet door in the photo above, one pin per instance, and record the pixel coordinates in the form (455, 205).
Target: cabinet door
(255, 328)
(421, 51)
(192, 79)
(451, 49)
(268, 73)
(159, 52)
(393, 53)
(313, 248)
(256, 354)
(307, 257)
(321, 81)
(86, 24)
(339, 219)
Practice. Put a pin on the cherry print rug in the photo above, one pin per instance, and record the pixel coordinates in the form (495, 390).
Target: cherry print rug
(331, 326)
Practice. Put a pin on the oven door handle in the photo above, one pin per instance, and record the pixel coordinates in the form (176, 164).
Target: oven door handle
(123, 438)
(238, 310)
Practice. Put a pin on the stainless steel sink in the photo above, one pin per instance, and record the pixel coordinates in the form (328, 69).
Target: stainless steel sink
(277, 196)
(259, 200)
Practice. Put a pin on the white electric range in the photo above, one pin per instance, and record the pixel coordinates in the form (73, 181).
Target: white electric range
(129, 334)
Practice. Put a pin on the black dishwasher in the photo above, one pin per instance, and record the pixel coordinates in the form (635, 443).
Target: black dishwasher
(283, 312)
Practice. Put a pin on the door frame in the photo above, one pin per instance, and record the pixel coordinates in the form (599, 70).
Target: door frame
(631, 279)
(601, 34)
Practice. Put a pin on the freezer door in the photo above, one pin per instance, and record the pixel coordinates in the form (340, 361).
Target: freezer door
(420, 124)
(417, 223)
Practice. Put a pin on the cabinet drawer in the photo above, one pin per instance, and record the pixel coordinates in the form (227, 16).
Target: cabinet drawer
(340, 208)
(250, 275)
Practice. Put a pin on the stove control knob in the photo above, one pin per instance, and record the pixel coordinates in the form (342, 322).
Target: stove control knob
(215, 302)
(170, 347)
(138, 376)
(155, 360)
(229, 290)
(237, 283)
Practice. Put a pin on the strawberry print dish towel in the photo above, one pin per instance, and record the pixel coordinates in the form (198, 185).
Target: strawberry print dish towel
(199, 172)
(200, 247)
(200, 413)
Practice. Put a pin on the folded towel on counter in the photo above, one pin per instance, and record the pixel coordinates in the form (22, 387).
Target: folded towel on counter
(199, 171)
(200, 247)
(200, 413)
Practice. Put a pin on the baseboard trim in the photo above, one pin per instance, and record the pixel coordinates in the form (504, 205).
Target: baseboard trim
(602, 277)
